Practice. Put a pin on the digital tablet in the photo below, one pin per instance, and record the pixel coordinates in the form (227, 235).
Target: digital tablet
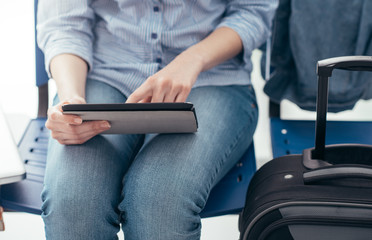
(138, 118)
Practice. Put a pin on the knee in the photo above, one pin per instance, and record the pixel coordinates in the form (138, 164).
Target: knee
(72, 203)
(59, 200)
(69, 214)
(162, 208)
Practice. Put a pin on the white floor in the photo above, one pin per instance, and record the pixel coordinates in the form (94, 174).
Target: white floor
(18, 99)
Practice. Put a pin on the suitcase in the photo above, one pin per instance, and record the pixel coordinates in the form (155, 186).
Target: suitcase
(324, 193)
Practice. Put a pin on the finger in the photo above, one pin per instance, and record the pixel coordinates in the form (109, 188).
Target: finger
(56, 115)
(82, 139)
(162, 89)
(74, 100)
(94, 127)
(158, 96)
(78, 133)
(171, 96)
(143, 92)
(146, 100)
(54, 125)
(182, 96)
(87, 126)
(71, 138)
(74, 142)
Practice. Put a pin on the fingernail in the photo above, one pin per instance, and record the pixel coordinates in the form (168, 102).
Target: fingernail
(105, 125)
(77, 120)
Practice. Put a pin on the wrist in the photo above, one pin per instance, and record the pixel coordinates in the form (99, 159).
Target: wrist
(193, 58)
(70, 98)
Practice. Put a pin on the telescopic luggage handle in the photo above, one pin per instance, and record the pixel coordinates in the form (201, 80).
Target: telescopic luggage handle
(352, 63)
(324, 70)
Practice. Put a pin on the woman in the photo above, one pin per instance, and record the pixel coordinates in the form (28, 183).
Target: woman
(107, 51)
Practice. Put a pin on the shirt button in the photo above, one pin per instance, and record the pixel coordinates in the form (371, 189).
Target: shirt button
(154, 35)
(158, 60)
(156, 9)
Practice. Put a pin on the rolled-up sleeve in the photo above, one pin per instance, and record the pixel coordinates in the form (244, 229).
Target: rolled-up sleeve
(65, 27)
(252, 20)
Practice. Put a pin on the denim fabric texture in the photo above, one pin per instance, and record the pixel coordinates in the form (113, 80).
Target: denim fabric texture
(308, 31)
(155, 190)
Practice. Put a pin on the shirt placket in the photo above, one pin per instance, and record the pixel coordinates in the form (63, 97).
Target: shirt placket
(156, 30)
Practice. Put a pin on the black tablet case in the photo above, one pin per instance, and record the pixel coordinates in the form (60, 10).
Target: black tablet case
(139, 118)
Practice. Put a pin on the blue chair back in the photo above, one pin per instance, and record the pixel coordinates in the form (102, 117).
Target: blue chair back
(41, 75)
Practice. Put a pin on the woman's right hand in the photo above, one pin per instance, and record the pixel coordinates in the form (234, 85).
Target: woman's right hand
(70, 129)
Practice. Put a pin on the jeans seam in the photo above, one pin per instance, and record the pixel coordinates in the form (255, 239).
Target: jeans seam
(134, 153)
(121, 215)
(230, 150)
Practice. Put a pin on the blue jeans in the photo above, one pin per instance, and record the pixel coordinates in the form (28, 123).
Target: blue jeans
(155, 190)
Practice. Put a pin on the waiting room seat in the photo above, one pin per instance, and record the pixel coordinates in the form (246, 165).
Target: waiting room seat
(227, 197)
(293, 136)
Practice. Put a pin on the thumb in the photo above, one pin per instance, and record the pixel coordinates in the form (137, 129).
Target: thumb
(73, 100)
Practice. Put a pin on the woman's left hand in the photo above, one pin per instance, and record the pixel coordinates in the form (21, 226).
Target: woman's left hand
(171, 84)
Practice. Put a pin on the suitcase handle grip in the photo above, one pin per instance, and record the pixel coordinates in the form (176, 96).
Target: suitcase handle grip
(351, 63)
(336, 172)
(337, 154)
(324, 71)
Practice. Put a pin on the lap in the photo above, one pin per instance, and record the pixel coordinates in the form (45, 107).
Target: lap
(227, 118)
(170, 179)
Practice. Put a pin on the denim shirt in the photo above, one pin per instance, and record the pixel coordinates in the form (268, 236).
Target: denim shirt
(308, 31)
(126, 41)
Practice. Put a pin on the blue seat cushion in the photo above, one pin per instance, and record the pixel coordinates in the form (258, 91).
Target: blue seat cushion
(293, 136)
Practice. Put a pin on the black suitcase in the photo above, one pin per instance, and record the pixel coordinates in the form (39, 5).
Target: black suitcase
(325, 193)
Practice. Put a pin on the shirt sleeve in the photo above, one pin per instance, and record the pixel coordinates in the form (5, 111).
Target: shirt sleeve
(65, 27)
(252, 20)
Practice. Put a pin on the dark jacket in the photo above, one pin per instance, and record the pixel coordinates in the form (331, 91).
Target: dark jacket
(306, 31)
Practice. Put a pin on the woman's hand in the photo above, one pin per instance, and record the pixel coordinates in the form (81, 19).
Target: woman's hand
(171, 84)
(70, 129)
(174, 82)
